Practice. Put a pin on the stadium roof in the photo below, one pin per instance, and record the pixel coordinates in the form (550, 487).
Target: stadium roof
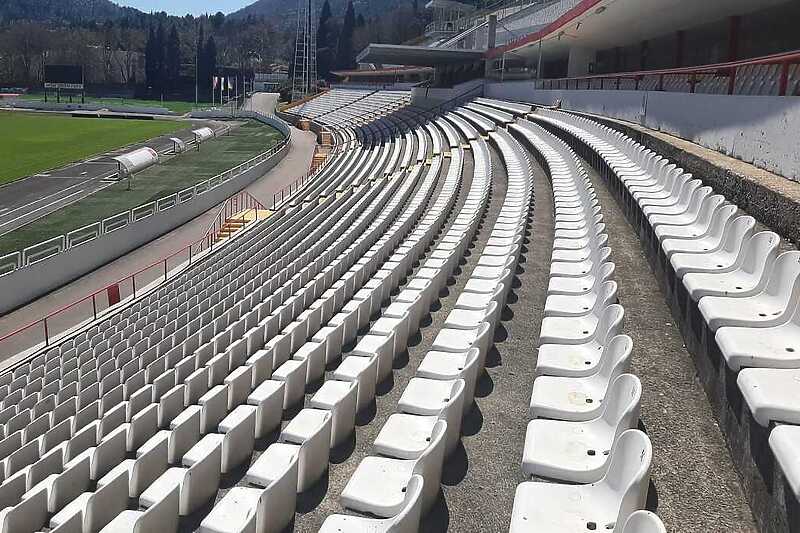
(449, 4)
(608, 23)
(386, 71)
(423, 56)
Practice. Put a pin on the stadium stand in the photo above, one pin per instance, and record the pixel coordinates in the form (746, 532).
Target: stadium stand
(734, 290)
(153, 416)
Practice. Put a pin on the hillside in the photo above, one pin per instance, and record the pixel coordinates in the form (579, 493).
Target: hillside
(70, 11)
(277, 9)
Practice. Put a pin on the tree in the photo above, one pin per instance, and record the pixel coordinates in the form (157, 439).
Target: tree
(217, 20)
(173, 58)
(160, 55)
(210, 59)
(150, 60)
(325, 42)
(345, 57)
(200, 54)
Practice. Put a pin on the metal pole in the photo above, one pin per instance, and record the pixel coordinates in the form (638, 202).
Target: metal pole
(94, 306)
(196, 65)
(539, 64)
(46, 333)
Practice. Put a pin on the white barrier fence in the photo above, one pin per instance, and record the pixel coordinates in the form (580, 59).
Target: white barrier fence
(52, 247)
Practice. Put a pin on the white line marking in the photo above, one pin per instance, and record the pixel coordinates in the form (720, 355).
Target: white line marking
(40, 208)
(4, 210)
(80, 184)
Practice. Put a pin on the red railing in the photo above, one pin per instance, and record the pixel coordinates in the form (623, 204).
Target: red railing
(239, 204)
(693, 76)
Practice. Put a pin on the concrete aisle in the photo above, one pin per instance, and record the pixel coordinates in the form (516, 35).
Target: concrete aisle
(694, 485)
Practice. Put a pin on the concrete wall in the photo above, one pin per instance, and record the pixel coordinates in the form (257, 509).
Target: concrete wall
(761, 130)
(28, 283)
(427, 98)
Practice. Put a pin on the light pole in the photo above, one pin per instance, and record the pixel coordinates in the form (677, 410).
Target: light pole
(196, 62)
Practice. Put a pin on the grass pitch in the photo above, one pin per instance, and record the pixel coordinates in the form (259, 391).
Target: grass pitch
(31, 142)
(242, 143)
(176, 106)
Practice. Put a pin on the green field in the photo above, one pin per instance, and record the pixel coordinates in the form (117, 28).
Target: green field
(176, 174)
(176, 106)
(36, 142)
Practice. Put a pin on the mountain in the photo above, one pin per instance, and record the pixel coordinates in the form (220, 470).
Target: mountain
(70, 11)
(280, 9)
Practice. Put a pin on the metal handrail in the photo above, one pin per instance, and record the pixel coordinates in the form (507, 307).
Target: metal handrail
(230, 207)
(727, 69)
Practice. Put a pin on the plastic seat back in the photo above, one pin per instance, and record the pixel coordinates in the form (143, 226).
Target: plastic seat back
(616, 357)
(452, 412)
(697, 199)
(622, 403)
(708, 209)
(162, 515)
(628, 474)
(721, 221)
(407, 520)
(610, 323)
(784, 280)
(606, 295)
(106, 502)
(429, 464)
(737, 233)
(759, 253)
(644, 522)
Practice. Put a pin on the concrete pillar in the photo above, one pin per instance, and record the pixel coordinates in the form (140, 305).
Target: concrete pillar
(680, 46)
(734, 23)
(492, 32)
(580, 59)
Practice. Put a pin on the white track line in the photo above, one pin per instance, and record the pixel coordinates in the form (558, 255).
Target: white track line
(82, 183)
(41, 208)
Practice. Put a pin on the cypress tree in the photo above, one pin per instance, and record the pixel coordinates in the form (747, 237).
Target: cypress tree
(173, 58)
(345, 57)
(325, 42)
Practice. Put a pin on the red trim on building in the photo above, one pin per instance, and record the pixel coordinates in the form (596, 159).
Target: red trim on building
(566, 18)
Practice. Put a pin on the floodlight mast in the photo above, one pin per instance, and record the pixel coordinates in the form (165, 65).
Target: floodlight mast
(304, 82)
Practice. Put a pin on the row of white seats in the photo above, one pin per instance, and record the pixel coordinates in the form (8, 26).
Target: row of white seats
(745, 291)
(214, 454)
(353, 383)
(327, 102)
(306, 430)
(41, 372)
(416, 440)
(117, 413)
(366, 109)
(585, 405)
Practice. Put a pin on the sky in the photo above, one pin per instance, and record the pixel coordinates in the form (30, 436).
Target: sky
(182, 7)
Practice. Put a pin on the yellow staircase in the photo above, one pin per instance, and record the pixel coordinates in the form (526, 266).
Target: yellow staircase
(238, 221)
